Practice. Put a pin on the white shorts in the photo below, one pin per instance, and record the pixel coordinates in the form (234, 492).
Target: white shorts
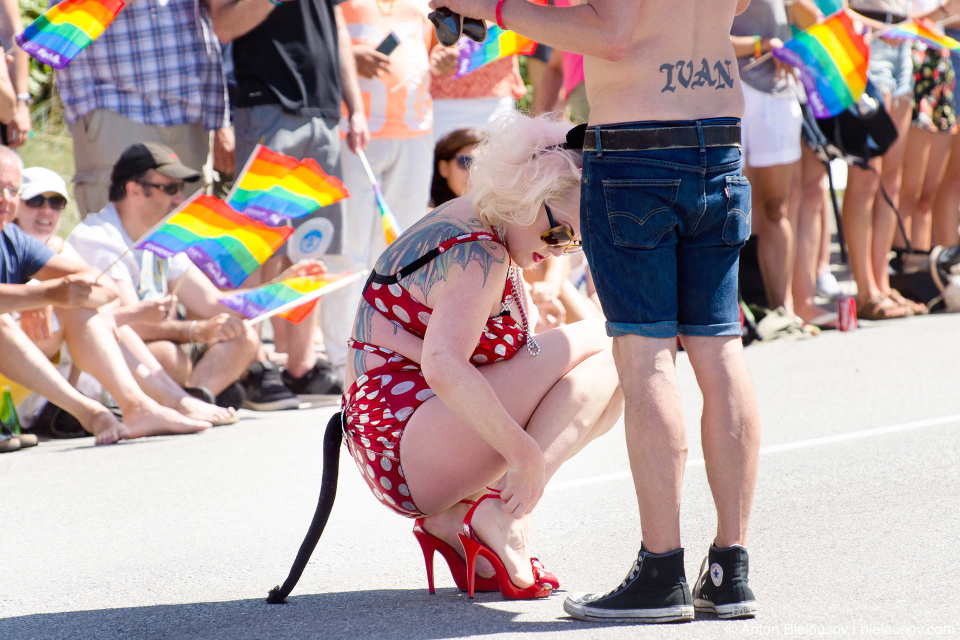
(770, 130)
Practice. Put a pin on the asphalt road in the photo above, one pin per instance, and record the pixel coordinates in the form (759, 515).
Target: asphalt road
(854, 534)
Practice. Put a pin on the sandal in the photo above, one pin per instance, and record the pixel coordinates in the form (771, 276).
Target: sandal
(880, 307)
(916, 308)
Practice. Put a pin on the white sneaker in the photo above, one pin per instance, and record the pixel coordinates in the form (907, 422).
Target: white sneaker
(827, 285)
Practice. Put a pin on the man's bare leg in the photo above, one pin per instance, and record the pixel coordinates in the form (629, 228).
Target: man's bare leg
(225, 362)
(160, 386)
(656, 434)
(34, 371)
(96, 351)
(730, 431)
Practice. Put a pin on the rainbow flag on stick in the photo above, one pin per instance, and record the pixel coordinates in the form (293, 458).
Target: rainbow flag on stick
(499, 44)
(925, 31)
(291, 299)
(832, 57)
(56, 37)
(391, 227)
(273, 187)
(226, 245)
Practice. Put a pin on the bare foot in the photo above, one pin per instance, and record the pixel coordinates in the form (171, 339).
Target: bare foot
(199, 410)
(447, 525)
(817, 315)
(151, 419)
(507, 537)
(105, 427)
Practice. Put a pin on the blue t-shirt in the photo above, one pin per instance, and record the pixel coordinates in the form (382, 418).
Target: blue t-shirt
(21, 255)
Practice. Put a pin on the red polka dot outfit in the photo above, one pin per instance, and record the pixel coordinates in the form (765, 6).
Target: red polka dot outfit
(379, 403)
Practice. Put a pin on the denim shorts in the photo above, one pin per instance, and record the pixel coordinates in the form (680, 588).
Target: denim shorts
(891, 68)
(662, 232)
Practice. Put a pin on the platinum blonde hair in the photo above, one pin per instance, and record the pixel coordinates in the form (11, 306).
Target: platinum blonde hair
(514, 170)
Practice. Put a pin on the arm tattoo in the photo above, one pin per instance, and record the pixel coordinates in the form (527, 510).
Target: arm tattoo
(688, 79)
(421, 238)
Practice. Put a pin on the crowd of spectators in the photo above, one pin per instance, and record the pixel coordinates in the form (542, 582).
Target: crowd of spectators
(160, 106)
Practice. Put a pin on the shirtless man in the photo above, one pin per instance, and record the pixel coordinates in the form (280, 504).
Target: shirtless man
(664, 212)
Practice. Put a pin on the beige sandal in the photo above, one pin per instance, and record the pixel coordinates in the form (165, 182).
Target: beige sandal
(880, 307)
(916, 308)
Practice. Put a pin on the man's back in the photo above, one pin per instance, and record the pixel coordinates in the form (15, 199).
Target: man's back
(680, 65)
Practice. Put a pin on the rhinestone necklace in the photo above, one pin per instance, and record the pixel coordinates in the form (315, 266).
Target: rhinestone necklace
(533, 347)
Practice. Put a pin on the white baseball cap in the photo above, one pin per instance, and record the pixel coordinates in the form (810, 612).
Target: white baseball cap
(40, 180)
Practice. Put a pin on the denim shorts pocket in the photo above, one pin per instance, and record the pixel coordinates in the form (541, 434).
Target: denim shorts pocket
(736, 228)
(640, 212)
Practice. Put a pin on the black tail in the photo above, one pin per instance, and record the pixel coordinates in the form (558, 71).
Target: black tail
(332, 438)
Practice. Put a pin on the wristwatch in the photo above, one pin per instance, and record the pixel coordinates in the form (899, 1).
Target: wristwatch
(25, 97)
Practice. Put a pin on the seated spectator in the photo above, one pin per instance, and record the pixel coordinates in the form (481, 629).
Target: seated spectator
(75, 295)
(210, 349)
(42, 200)
(451, 164)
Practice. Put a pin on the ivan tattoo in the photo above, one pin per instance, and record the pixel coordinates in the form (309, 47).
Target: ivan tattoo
(683, 72)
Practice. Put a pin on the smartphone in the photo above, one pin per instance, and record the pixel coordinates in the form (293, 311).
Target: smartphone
(389, 43)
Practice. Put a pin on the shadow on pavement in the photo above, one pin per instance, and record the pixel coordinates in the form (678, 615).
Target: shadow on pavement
(407, 614)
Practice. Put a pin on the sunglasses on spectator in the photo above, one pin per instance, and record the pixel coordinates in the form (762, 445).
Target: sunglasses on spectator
(57, 203)
(169, 189)
(450, 26)
(560, 235)
(464, 162)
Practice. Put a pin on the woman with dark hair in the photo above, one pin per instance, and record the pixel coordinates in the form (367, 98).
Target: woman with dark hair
(451, 161)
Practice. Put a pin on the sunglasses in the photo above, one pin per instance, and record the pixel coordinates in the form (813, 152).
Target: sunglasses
(57, 203)
(450, 26)
(464, 162)
(169, 189)
(560, 235)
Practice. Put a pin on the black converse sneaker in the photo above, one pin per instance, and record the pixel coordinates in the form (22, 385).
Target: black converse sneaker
(319, 384)
(264, 390)
(655, 590)
(722, 586)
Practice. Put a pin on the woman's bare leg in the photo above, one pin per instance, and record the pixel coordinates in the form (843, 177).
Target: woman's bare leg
(946, 205)
(884, 218)
(566, 396)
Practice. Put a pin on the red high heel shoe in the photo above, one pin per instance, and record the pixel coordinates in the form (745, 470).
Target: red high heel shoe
(473, 548)
(429, 543)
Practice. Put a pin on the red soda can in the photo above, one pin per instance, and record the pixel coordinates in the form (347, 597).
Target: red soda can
(846, 313)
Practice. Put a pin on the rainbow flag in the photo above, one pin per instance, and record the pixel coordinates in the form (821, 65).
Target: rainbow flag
(832, 57)
(56, 37)
(391, 227)
(274, 187)
(925, 31)
(291, 299)
(499, 44)
(226, 245)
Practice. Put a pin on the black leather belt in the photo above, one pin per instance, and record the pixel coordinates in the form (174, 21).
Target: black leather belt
(882, 16)
(716, 135)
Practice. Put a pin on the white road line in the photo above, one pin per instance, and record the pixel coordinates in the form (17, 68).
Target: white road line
(778, 448)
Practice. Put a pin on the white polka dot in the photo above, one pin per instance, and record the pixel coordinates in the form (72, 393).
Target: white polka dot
(362, 380)
(365, 442)
(479, 358)
(508, 339)
(402, 387)
(402, 474)
(404, 413)
(386, 464)
(401, 313)
(500, 349)
(425, 394)
(390, 499)
(404, 490)
(410, 367)
(376, 286)
(371, 455)
(382, 439)
(383, 428)
(385, 483)
(379, 304)
(408, 505)
(385, 380)
(364, 419)
(395, 290)
(374, 423)
(373, 394)
(370, 471)
(424, 317)
(378, 494)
